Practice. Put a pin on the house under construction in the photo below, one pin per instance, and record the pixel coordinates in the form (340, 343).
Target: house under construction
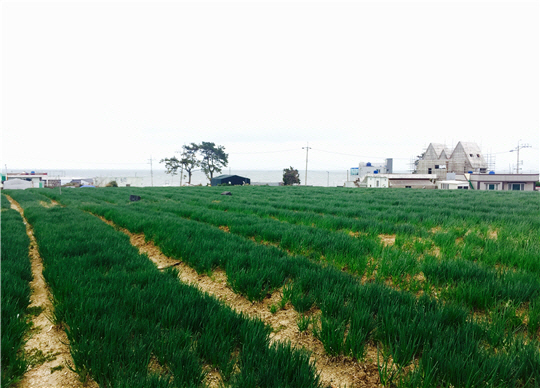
(439, 160)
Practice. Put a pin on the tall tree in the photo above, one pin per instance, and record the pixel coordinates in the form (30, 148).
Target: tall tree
(213, 158)
(290, 176)
(188, 161)
(172, 165)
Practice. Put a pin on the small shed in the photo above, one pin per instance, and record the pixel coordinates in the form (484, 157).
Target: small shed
(233, 180)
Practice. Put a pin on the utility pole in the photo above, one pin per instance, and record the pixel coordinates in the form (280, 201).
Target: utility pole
(328, 179)
(307, 148)
(151, 171)
(517, 149)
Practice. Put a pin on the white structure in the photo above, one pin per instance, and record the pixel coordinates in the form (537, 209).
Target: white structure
(405, 181)
(17, 184)
(371, 168)
(411, 181)
(36, 180)
(453, 185)
(369, 180)
(374, 180)
(121, 181)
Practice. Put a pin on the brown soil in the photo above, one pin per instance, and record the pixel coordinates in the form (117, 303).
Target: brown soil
(225, 228)
(334, 371)
(387, 239)
(48, 343)
(356, 234)
(435, 251)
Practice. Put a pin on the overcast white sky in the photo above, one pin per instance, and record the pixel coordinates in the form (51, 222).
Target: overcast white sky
(110, 84)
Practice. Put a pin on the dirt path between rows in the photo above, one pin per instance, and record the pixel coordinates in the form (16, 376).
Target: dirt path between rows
(48, 345)
(334, 371)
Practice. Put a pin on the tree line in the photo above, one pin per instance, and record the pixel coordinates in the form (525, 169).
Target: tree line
(206, 156)
(210, 159)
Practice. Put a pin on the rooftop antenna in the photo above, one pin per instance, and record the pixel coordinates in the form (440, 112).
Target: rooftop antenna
(307, 148)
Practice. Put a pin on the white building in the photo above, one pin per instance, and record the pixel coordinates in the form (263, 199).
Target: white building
(453, 185)
(36, 179)
(369, 180)
(17, 184)
(376, 180)
(371, 168)
(133, 181)
(491, 181)
(513, 182)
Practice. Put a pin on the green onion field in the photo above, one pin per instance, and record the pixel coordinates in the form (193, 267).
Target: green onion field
(432, 288)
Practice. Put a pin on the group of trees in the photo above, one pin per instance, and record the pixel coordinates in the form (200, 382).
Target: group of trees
(209, 157)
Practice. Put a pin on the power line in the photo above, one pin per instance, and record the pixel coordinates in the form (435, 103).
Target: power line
(519, 147)
(263, 152)
(315, 149)
(357, 156)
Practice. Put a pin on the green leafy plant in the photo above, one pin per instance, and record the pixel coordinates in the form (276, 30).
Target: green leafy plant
(303, 322)
(273, 308)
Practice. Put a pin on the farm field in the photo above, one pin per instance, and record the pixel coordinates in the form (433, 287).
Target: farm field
(291, 286)
(16, 275)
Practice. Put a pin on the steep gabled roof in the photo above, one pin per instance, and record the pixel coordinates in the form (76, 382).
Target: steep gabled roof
(471, 152)
(445, 154)
(436, 151)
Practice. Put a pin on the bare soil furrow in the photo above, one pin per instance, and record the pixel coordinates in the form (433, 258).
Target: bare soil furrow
(48, 345)
(334, 371)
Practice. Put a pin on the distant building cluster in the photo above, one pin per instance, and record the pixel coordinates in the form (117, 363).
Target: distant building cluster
(27, 180)
(439, 167)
